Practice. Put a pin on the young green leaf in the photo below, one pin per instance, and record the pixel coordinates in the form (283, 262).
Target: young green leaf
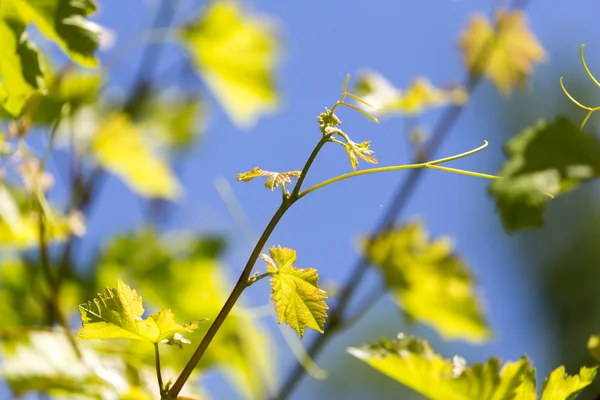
(560, 386)
(362, 150)
(21, 70)
(117, 313)
(65, 22)
(235, 55)
(430, 283)
(549, 157)
(413, 363)
(505, 53)
(121, 148)
(295, 292)
(274, 179)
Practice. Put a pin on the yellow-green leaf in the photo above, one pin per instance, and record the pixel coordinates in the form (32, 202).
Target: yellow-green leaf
(274, 179)
(505, 53)
(295, 292)
(21, 70)
(430, 283)
(236, 56)
(413, 363)
(121, 148)
(65, 22)
(117, 314)
(560, 386)
(418, 97)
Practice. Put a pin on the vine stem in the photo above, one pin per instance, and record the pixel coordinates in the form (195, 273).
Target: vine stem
(242, 282)
(158, 373)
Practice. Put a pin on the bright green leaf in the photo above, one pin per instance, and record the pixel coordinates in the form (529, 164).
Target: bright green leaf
(413, 363)
(121, 148)
(274, 179)
(547, 158)
(65, 22)
(242, 348)
(236, 56)
(21, 70)
(430, 283)
(560, 386)
(295, 292)
(117, 314)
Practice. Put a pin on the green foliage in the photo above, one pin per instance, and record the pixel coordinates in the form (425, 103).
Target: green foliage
(154, 264)
(295, 292)
(430, 283)
(274, 179)
(235, 55)
(117, 314)
(413, 362)
(550, 157)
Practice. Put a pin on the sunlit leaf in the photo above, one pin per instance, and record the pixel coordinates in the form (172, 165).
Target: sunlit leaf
(505, 53)
(546, 158)
(560, 386)
(274, 179)
(295, 292)
(430, 283)
(360, 150)
(117, 314)
(19, 221)
(65, 22)
(121, 148)
(21, 70)
(413, 363)
(242, 348)
(420, 95)
(236, 56)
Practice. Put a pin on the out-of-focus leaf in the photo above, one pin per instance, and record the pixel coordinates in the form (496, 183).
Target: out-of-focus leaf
(236, 56)
(594, 346)
(430, 283)
(295, 292)
(175, 123)
(117, 314)
(19, 221)
(65, 22)
(547, 158)
(505, 53)
(121, 148)
(560, 386)
(413, 363)
(418, 97)
(155, 264)
(44, 361)
(21, 70)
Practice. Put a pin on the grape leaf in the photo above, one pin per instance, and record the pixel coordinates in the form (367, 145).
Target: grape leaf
(235, 54)
(505, 53)
(295, 292)
(413, 363)
(65, 22)
(418, 97)
(21, 70)
(242, 349)
(560, 386)
(430, 283)
(274, 179)
(121, 148)
(548, 157)
(117, 314)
